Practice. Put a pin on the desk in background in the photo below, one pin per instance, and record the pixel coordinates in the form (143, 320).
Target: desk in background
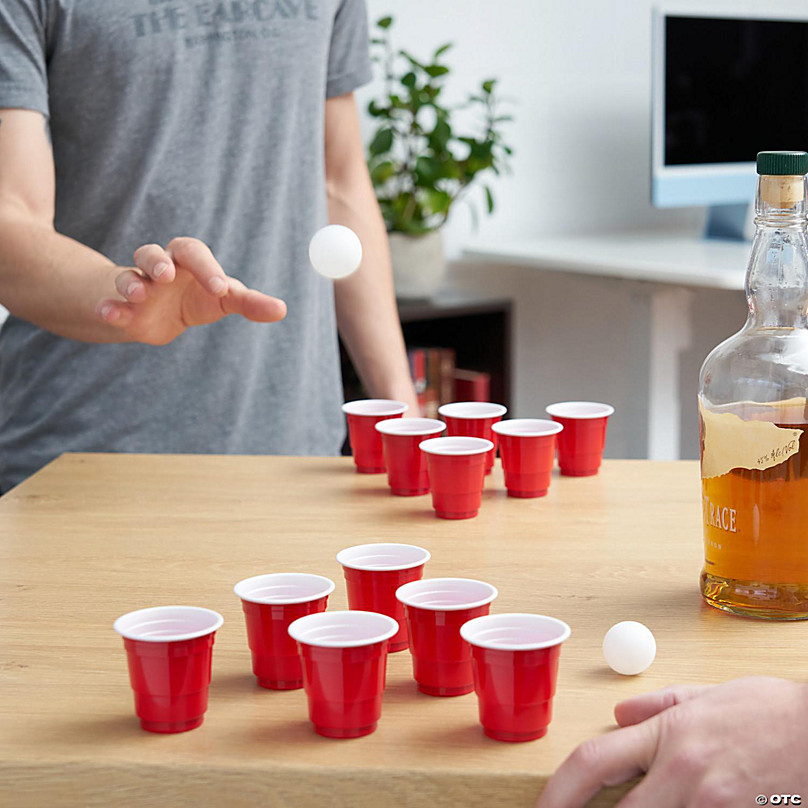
(662, 276)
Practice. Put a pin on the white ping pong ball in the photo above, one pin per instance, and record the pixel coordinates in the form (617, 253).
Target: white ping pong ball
(629, 648)
(335, 251)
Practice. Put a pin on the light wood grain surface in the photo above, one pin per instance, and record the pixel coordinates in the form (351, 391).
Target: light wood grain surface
(93, 536)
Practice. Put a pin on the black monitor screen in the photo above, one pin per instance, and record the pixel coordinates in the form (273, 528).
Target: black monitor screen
(734, 88)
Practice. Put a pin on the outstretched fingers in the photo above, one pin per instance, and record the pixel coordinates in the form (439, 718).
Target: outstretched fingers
(252, 304)
(195, 256)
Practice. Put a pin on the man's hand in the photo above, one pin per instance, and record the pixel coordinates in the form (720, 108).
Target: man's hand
(719, 746)
(178, 287)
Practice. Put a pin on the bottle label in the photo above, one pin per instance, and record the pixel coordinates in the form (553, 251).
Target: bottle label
(730, 442)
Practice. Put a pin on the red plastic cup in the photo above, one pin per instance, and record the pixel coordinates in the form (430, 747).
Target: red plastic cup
(527, 448)
(169, 650)
(344, 665)
(373, 573)
(456, 474)
(271, 604)
(474, 419)
(366, 442)
(580, 445)
(515, 671)
(436, 608)
(406, 466)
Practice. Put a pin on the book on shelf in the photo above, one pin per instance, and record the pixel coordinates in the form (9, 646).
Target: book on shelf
(471, 385)
(432, 372)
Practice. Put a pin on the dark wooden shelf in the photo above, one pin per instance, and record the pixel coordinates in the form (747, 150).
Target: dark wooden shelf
(479, 330)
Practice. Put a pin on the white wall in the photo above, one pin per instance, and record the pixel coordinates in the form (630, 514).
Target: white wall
(580, 73)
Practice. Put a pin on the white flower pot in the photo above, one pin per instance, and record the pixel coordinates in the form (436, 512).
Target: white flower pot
(419, 265)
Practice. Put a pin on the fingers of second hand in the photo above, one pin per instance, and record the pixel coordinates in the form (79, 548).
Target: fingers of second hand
(608, 760)
(639, 708)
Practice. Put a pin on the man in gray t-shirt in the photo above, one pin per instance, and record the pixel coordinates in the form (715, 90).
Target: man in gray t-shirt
(231, 125)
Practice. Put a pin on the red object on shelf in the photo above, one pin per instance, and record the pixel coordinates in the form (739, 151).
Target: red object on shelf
(471, 385)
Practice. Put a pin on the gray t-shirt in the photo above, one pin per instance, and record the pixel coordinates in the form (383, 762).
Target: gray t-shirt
(196, 118)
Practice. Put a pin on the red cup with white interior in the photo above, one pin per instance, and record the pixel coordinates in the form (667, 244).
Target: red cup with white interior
(456, 474)
(169, 650)
(373, 573)
(271, 603)
(580, 445)
(344, 658)
(436, 608)
(474, 419)
(515, 660)
(366, 442)
(407, 472)
(527, 448)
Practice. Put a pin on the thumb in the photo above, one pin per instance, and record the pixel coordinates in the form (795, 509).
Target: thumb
(252, 304)
(640, 708)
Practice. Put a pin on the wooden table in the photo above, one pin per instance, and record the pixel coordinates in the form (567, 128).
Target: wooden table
(93, 536)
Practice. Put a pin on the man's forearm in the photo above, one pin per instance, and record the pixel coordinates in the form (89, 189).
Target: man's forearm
(366, 307)
(54, 281)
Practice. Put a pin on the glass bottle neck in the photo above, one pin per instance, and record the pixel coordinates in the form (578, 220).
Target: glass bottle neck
(777, 277)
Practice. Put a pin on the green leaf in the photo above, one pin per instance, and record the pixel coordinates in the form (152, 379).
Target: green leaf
(376, 111)
(442, 49)
(439, 136)
(436, 70)
(382, 142)
(488, 86)
(376, 41)
(438, 201)
(409, 79)
(489, 199)
(412, 60)
(384, 22)
(382, 172)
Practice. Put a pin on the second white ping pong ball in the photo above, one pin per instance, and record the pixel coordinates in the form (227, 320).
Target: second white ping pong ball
(335, 251)
(629, 647)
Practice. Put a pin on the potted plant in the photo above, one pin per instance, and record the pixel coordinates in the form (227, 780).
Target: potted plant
(420, 165)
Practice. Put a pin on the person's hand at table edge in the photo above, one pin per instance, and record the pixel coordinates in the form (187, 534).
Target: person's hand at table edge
(175, 288)
(720, 746)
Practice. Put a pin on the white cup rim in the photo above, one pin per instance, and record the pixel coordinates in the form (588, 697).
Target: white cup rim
(410, 426)
(567, 409)
(374, 407)
(406, 592)
(472, 409)
(472, 630)
(126, 625)
(245, 586)
(384, 628)
(527, 427)
(456, 445)
(344, 556)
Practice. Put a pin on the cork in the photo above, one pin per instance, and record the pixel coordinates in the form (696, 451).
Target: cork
(781, 192)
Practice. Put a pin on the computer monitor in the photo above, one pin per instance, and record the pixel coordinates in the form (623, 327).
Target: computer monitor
(724, 88)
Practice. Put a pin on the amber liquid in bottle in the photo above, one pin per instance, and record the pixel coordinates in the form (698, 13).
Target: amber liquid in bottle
(755, 533)
(753, 417)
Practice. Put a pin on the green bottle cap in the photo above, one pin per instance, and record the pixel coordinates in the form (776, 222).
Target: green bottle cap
(782, 163)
